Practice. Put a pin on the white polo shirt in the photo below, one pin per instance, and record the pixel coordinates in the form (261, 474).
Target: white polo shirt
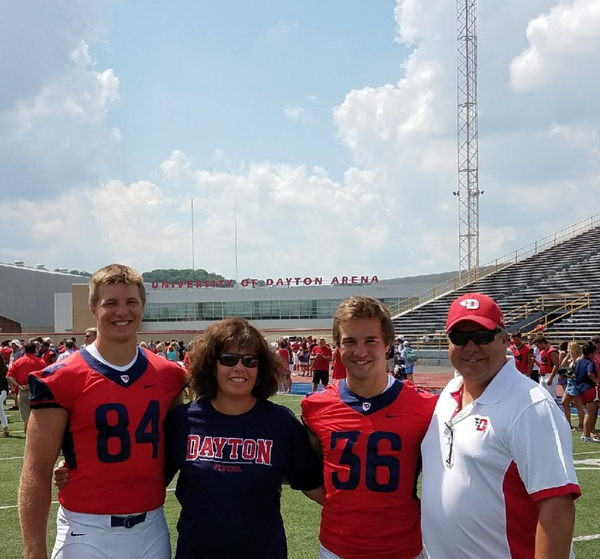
(486, 467)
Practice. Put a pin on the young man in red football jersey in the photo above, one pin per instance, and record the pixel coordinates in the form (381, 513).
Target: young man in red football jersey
(523, 354)
(105, 406)
(548, 364)
(368, 428)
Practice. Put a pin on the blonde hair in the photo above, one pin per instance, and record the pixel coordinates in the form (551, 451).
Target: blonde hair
(574, 351)
(112, 274)
(160, 348)
(144, 345)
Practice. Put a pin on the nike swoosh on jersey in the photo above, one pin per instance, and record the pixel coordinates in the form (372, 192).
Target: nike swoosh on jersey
(149, 385)
(389, 415)
(75, 535)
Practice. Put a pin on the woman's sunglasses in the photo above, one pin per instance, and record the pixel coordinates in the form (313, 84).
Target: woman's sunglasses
(232, 359)
(478, 337)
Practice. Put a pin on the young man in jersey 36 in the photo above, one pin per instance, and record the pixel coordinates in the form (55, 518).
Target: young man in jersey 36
(105, 407)
(368, 428)
(498, 474)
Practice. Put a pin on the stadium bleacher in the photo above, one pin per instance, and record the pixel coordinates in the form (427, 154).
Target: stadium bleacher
(568, 267)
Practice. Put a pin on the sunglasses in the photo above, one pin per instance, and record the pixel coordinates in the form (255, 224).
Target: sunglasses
(232, 359)
(478, 337)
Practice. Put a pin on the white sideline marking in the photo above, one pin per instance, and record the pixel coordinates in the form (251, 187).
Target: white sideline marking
(13, 458)
(586, 538)
(590, 452)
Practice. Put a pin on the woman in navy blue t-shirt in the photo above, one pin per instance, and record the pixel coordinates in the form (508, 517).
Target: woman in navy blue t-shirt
(233, 449)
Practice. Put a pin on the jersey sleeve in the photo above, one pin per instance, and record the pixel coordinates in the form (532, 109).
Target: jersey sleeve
(303, 469)
(52, 387)
(541, 446)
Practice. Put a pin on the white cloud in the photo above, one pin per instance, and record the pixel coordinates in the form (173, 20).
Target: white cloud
(563, 45)
(392, 211)
(281, 31)
(294, 112)
(53, 117)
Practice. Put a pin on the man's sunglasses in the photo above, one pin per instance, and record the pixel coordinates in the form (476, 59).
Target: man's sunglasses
(478, 337)
(231, 359)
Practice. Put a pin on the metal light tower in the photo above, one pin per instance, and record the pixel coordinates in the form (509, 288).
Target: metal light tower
(468, 153)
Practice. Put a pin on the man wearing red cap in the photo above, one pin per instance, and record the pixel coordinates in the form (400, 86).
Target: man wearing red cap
(498, 475)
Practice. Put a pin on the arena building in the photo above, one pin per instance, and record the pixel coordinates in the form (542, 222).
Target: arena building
(278, 306)
(27, 296)
(34, 300)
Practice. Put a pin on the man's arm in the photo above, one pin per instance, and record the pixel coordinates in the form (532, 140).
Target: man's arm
(12, 382)
(44, 437)
(530, 361)
(554, 358)
(317, 495)
(555, 527)
(177, 401)
(316, 445)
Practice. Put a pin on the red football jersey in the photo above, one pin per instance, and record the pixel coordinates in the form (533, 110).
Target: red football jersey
(114, 442)
(521, 357)
(546, 360)
(371, 456)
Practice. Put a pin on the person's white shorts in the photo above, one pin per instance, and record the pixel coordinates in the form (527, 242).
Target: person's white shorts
(326, 554)
(95, 536)
(296, 359)
(552, 388)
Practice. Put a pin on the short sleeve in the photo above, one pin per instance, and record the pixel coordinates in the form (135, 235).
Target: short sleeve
(303, 469)
(48, 388)
(541, 447)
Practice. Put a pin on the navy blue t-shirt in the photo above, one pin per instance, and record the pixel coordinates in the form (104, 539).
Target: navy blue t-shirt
(231, 469)
(583, 368)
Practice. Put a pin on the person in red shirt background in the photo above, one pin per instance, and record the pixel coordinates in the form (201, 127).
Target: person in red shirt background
(6, 352)
(18, 376)
(523, 354)
(320, 358)
(46, 354)
(548, 364)
(339, 369)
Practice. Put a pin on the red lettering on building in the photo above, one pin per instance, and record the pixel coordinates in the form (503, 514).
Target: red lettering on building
(269, 282)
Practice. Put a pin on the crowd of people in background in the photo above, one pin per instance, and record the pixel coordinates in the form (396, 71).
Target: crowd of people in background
(298, 356)
(574, 366)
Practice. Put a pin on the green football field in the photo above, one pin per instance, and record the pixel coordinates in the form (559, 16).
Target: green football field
(301, 515)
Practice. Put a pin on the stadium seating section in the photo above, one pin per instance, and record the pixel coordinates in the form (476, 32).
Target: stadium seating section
(572, 266)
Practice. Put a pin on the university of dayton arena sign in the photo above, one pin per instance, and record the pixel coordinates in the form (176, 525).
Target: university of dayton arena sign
(269, 282)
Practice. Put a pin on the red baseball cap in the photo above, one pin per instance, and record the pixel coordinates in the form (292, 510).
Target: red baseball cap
(475, 307)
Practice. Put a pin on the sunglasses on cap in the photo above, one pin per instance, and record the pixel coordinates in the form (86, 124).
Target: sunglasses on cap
(478, 337)
(231, 359)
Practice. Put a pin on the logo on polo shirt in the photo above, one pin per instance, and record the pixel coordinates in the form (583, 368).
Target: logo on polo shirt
(481, 424)
(366, 406)
(125, 378)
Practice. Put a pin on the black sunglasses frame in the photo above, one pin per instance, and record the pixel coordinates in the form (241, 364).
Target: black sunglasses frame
(478, 337)
(249, 360)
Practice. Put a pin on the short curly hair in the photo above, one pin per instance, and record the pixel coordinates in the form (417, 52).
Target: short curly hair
(209, 345)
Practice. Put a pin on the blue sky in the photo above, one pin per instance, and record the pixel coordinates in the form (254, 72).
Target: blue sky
(332, 123)
(218, 75)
